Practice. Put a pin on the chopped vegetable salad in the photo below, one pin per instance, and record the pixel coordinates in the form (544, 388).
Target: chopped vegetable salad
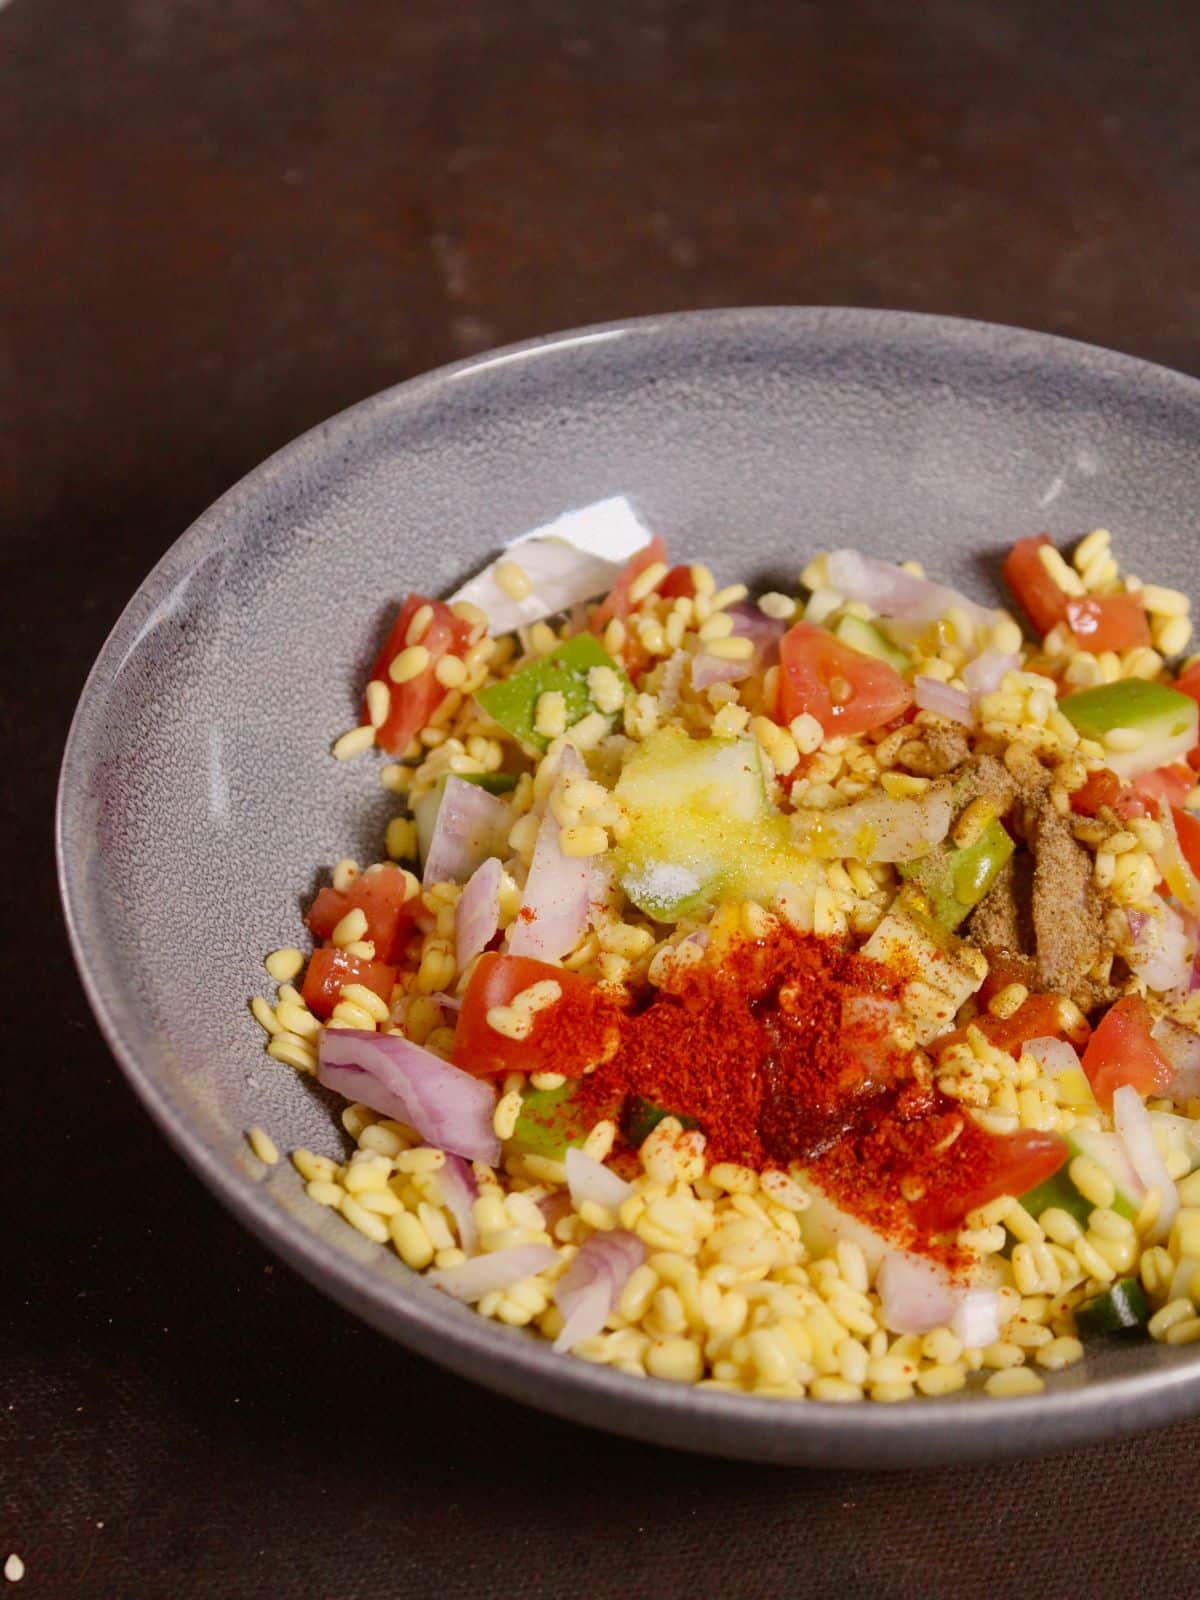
(793, 994)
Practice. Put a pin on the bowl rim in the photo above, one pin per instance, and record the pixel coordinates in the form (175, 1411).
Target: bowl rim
(742, 1426)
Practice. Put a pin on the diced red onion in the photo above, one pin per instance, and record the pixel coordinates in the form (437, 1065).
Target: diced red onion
(917, 1295)
(477, 915)
(452, 1002)
(1054, 1056)
(471, 825)
(1162, 954)
(449, 1108)
(592, 1180)
(471, 1280)
(561, 575)
(558, 890)
(1136, 1133)
(554, 1207)
(931, 694)
(986, 672)
(892, 592)
(748, 623)
(591, 1285)
(1182, 1049)
(976, 1319)
(459, 1191)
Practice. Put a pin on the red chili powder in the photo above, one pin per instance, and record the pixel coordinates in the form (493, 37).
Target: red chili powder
(783, 1051)
(776, 1050)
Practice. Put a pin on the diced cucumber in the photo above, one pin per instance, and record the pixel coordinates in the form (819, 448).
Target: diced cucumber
(549, 1122)
(642, 1116)
(1120, 1308)
(1107, 1151)
(1057, 1191)
(945, 970)
(670, 771)
(1165, 718)
(695, 807)
(425, 809)
(513, 702)
(955, 881)
(871, 641)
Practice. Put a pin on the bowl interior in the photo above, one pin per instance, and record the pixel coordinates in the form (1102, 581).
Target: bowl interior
(199, 800)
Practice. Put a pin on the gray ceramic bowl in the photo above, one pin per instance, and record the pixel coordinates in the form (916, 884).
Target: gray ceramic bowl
(198, 798)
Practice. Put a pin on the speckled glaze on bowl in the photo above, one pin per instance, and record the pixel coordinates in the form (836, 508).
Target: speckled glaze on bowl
(198, 799)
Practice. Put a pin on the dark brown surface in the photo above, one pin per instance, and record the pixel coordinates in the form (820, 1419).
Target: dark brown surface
(221, 220)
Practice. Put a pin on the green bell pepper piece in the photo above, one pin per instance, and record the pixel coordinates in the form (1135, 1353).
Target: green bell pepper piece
(549, 1122)
(1121, 1308)
(642, 1116)
(513, 702)
(955, 881)
(1166, 719)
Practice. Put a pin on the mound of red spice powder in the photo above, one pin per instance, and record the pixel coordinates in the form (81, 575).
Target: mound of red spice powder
(787, 1050)
(776, 1049)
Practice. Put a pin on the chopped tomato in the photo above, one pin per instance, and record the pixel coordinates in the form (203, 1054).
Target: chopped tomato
(1122, 1051)
(1103, 788)
(1107, 622)
(329, 969)
(1189, 682)
(1171, 785)
(678, 585)
(1002, 970)
(1188, 830)
(382, 896)
(848, 692)
(1097, 622)
(414, 701)
(1038, 1017)
(569, 1035)
(989, 1165)
(1035, 591)
(1140, 798)
(617, 602)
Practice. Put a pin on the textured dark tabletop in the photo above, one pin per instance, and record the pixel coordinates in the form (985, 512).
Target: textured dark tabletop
(222, 220)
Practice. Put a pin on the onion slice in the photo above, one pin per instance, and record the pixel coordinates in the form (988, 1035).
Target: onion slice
(449, 1108)
(459, 1191)
(591, 1180)
(591, 1285)
(1136, 1133)
(560, 576)
(931, 694)
(471, 825)
(1182, 1049)
(877, 828)
(750, 623)
(558, 891)
(892, 592)
(471, 1280)
(986, 673)
(1172, 863)
(1162, 952)
(477, 915)
(1054, 1056)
